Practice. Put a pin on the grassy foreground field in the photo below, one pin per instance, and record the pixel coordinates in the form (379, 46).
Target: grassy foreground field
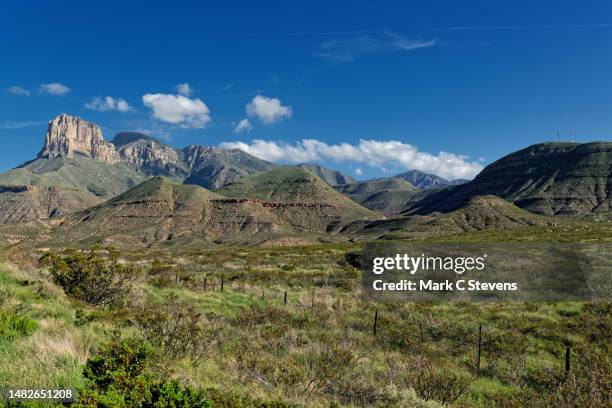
(244, 345)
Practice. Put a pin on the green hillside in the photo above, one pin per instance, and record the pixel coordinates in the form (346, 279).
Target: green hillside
(302, 194)
(288, 185)
(162, 212)
(479, 214)
(386, 195)
(100, 179)
(28, 203)
(549, 178)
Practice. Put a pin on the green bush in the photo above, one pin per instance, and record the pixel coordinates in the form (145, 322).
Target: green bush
(178, 330)
(91, 278)
(121, 376)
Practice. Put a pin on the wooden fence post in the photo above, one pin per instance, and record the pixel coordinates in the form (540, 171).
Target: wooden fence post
(567, 359)
(375, 321)
(285, 300)
(479, 344)
(205, 285)
(421, 331)
(222, 282)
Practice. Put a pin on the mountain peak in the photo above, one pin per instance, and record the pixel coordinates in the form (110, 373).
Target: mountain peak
(67, 135)
(331, 177)
(426, 180)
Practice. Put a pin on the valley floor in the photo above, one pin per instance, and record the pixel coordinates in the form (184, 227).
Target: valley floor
(318, 347)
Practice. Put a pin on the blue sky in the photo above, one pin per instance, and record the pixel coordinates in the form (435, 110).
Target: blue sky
(370, 88)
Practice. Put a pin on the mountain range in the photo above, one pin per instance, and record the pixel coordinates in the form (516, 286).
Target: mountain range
(559, 178)
(136, 190)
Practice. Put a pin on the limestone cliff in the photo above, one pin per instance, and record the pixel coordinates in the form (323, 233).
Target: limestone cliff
(67, 135)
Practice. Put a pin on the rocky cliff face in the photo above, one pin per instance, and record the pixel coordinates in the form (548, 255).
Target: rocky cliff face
(67, 135)
(153, 158)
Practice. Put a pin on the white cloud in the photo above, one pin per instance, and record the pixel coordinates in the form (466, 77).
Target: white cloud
(348, 49)
(243, 126)
(178, 110)
(21, 125)
(358, 171)
(184, 89)
(374, 153)
(108, 103)
(268, 110)
(17, 90)
(54, 88)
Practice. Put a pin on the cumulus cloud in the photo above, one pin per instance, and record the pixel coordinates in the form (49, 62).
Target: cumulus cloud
(348, 49)
(268, 110)
(184, 89)
(178, 110)
(244, 126)
(374, 153)
(17, 90)
(358, 171)
(54, 88)
(108, 103)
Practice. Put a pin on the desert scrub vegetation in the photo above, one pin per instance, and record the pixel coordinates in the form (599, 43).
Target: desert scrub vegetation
(87, 276)
(39, 345)
(247, 346)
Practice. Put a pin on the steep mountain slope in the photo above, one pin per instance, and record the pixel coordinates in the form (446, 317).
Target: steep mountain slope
(303, 199)
(425, 180)
(547, 178)
(28, 203)
(331, 177)
(213, 168)
(83, 173)
(479, 213)
(150, 157)
(286, 184)
(386, 195)
(208, 167)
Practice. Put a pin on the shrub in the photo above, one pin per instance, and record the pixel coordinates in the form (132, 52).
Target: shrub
(91, 278)
(178, 330)
(392, 396)
(121, 376)
(437, 384)
(327, 364)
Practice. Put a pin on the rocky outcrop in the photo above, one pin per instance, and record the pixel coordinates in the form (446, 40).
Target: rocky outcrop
(67, 135)
(153, 158)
